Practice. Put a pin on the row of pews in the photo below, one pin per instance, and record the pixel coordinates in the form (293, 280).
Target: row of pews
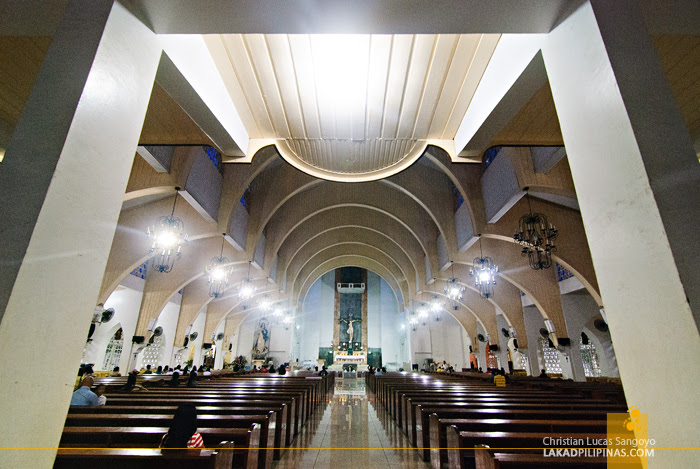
(457, 421)
(246, 421)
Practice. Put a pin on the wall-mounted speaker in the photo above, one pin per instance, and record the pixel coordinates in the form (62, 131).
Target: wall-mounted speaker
(565, 341)
(515, 344)
(493, 347)
(230, 346)
(206, 346)
(138, 339)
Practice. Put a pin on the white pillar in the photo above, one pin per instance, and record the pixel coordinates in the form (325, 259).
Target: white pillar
(62, 183)
(636, 176)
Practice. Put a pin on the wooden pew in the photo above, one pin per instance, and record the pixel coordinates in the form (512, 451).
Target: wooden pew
(453, 409)
(302, 408)
(281, 431)
(438, 430)
(461, 444)
(487, 459)
(267, 426)
(495, 397)
(114, 458)
(151, 399)
(247, 440)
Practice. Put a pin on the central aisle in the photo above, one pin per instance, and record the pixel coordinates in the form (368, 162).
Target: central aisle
(350, 432)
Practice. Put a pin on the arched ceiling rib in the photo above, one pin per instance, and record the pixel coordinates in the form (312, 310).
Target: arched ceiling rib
(360, 250)
(356, 261)
(349, 217)
(375, 196)
(343, 235)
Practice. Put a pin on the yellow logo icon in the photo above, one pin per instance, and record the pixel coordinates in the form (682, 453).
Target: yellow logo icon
(629, 444)
(634, 421)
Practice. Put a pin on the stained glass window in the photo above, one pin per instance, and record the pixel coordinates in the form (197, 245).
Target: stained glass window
(114, 351)
(591, 367)
(550, 357)
(152, 354)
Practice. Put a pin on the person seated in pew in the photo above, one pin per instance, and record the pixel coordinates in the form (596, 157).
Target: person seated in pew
(148, 370)
(272, 369)
(159, 371)
(115, 372)
(192, 380)
(183, 430)
(131, 383)
(166, 370)
(100, 391)
(174, 381)
(84, 371)
(282, 371)
(500, 379)
(543, 374)
(263, 369)
(83, 395)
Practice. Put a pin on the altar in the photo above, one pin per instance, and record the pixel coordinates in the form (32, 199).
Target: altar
(354, 359)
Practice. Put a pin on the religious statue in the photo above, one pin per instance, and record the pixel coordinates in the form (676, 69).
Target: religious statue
(351, 330)
(261, 347)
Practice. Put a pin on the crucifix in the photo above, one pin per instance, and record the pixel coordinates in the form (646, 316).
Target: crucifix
(350, 328)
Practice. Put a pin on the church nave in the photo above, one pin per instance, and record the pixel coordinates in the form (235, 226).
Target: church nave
(351, 430)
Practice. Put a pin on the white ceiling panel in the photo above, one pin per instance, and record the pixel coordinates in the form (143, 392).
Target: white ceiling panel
(352, 107)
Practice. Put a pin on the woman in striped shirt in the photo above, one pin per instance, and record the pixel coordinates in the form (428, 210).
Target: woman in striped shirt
(183, 430)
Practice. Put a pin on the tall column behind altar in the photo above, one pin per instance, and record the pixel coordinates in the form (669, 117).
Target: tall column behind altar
(350, 316)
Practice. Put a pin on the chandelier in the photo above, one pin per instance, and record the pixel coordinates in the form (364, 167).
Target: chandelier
(454, 287)
(536, 236)
(168, 235)
(247, 287)
(279, 309)
(265, 303)
(436, 305)
(218, 270)
(484, 272)
(436, 309)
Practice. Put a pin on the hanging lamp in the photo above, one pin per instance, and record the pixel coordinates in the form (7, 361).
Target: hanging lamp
(168, 235)
(484, 272)
(536, 236)
(218, 271)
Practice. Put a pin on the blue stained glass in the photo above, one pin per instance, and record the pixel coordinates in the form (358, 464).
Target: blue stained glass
(140, 271)
(563, 274)
(214, 156)
(490, 154)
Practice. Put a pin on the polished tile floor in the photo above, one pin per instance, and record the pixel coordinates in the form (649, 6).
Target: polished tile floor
(350, 431)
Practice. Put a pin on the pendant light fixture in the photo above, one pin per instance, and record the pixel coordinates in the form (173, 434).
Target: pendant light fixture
(536, 236)
(484, 273)
(168, 235)
(454, 287)
(247, 287)
(218, 271)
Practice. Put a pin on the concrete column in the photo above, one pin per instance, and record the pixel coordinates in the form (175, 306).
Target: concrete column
(365, 341)
(62, 183)
(336, 312)
(636, 176)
